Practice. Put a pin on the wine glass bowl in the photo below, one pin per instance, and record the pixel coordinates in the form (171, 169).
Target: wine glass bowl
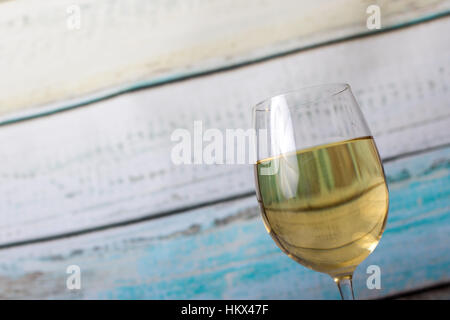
(319, 179)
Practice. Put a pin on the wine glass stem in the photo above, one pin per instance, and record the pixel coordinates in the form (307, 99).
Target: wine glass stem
(345, 287)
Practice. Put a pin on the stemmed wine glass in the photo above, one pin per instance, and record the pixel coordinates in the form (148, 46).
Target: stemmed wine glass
(320, 182)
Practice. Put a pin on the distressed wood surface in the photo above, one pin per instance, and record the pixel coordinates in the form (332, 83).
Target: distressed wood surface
(128, 43)
(110, 162)
(439, 293)
(223, 251)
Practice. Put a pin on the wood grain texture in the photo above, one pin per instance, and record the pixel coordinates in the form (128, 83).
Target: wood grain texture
(120, 43)
(110, 162)
(223, 251)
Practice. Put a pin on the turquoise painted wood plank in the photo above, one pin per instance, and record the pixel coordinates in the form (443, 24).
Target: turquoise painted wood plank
(223, 251)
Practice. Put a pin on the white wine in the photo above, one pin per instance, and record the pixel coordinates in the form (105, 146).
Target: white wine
(326, 206)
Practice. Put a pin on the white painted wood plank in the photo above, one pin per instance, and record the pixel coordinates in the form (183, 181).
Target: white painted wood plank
(110, 162)
(123, 42)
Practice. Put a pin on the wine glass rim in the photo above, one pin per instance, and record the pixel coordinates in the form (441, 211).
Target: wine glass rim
(340, 87)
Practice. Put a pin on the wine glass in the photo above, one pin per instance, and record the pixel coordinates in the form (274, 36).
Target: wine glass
(319, 179)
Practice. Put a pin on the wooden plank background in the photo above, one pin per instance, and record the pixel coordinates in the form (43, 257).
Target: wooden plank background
(95, 186)
(110, 162)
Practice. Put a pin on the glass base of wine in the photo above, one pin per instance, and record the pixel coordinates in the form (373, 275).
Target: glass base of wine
(322, 191)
